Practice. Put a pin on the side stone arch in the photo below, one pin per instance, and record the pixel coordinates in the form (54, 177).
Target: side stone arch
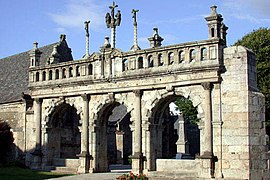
(153, 102)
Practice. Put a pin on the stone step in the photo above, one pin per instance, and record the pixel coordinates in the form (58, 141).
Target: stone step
(158, 175)
(66, 162)
(65, 170)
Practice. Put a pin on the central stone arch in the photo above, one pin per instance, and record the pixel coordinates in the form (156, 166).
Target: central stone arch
(113, 135)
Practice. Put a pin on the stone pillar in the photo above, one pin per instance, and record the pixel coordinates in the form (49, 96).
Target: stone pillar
(207, 158)
(208, 151)
(85, 156)
(137, 158)
(37, 154)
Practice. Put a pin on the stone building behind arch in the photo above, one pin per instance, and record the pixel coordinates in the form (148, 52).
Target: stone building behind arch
(59, 109)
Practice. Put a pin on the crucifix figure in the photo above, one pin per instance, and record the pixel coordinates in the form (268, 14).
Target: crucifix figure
(112, 21)
(86, 23)
(134, 12)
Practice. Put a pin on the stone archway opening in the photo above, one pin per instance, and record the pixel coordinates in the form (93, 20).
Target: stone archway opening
(114, 138)
(64, 137)
(175, 133)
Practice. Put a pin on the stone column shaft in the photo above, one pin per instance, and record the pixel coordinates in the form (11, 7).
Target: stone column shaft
(138, 121)
(85, 125)
(208, 151)
(137, 160)
(113, 29)
(37, 117)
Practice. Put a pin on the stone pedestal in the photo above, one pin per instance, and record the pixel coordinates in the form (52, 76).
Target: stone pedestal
(119, 146)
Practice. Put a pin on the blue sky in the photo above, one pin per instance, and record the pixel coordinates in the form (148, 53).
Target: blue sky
(179, 21)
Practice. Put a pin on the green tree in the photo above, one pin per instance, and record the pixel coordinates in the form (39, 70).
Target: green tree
(259, 42)
(185, 106)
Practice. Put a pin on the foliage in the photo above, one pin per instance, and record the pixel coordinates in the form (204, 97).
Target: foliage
(259, 42)
(185, 106)
(14, 173)
(132, 176)
(6, 140)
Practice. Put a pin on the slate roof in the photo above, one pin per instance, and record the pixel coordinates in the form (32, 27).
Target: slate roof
(14, 71)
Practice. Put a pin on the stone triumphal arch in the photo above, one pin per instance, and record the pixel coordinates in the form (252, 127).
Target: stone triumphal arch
(74, 103)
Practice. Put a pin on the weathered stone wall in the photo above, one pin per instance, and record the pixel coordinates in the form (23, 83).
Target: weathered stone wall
(14, 115)
(238, 141)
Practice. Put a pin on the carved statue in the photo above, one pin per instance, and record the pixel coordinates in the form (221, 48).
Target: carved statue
(86, 23)
(108, 20)
(134, 15)
(118, 18)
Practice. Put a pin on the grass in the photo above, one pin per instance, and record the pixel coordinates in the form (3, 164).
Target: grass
(18, 173)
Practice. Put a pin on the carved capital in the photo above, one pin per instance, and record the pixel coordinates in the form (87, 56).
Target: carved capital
(170, 88)
(207, 85)
(85, 97)
(137, 92)
(38, 100)
(111, 96)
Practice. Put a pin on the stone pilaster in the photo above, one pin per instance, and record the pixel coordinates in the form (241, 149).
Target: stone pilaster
(137, 158)
(85, 156)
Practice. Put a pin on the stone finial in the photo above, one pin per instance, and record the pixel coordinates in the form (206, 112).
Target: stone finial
(107, 42)
(156, 39)
(214, 10)
(62, 37)
(35, 45)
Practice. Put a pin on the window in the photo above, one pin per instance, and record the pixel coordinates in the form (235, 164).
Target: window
(150, 61)
(192, 55)
(181, 57)
(90, 69)
(37, 76)
(70, 72)
(203, 54)
(171, 58)
(125, 65)
(212, 32)
(57, 74)
(43, 76)
(140, 62)
(50, 75)
(78, 71)
(64, 74)
(160, 60)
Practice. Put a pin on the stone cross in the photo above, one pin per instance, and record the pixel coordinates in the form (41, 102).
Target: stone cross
(112, 21)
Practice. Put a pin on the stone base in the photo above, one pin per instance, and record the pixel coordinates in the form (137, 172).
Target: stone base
(207, 167)
(37, 160)
(85, 165)
(137, 163)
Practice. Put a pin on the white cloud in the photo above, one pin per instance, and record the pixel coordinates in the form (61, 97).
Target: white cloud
(186, 20)
(75, 12)
(250, 10)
